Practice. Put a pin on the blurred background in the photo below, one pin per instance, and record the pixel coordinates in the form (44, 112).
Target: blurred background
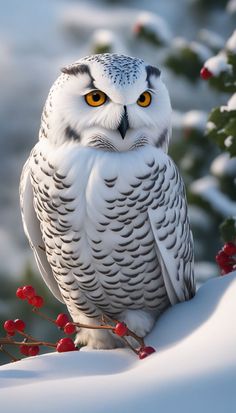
(38, 38)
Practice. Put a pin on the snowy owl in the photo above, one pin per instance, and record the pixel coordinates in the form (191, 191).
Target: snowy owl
(103, 205)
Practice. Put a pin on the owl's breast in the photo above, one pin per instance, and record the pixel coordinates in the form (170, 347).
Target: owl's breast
(93, 211)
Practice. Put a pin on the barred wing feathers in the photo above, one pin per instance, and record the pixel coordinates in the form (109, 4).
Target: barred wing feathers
(174, 244)
(33, 232)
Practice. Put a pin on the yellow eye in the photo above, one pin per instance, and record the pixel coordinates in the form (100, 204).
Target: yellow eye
(144, 99)
(95, 98)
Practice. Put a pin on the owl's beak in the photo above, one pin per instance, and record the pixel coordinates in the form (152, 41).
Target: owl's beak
(124, 123)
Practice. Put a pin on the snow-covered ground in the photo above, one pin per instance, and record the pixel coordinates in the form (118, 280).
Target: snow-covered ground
(193, 370)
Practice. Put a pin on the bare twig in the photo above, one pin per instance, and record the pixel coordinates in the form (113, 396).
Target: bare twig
(13, 358)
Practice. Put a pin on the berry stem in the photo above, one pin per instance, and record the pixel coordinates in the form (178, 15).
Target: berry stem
(94, 327)
(34, 342)
(129, 345)
(27, 336)
(42, 315)
(13, 358)
(137, 338)
(105, 319)
(129, 332)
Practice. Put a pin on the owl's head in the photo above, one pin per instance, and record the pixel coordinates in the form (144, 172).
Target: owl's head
(110, 102)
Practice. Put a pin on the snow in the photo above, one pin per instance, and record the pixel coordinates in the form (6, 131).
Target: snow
(218, 64)
(204, 271)
(106, 39)
(194, 368)
(231, 43)
(232, 102)
(231, 105)
(202, 51)
(208, 189)
(223, 165)
(86, 17)
(211, 39)
(231, 6)
(195, 119)
(229, 141)
(155, 24)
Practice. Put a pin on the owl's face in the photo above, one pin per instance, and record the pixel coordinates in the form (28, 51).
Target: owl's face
(110, 102)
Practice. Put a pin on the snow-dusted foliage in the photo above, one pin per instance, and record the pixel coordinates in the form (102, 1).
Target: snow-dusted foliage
(218, 64)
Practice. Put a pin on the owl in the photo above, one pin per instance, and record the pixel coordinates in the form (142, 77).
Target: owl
(103, 205)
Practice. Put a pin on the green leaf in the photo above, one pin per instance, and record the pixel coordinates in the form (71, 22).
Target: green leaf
(228, 230)
(185, 62)
(225, 126)
(230, 128)
(150, 37)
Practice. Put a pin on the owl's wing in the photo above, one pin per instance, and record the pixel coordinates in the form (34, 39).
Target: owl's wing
(174, 244)
(33, 232)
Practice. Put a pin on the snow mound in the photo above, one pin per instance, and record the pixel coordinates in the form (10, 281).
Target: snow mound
(194, 368)
(154, 24)
(231, 105)
(231, 43)
(218, 64)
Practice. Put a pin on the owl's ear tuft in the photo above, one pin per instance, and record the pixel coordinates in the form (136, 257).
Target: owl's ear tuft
(76, 69)
(152, 71)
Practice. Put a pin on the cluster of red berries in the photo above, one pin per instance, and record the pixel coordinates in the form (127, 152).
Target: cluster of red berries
(226, 258)
(28, 293)
(12, 327)
(66, 343)
(31, 347)
(205, 73)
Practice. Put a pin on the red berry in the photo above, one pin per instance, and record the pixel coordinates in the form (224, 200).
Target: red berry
(62, 320)
(19, 324)
(65, 344)
(29, 291)
(33, 350)
(145, 351)
(121, 329)
(229, 248)
(20, 293)
(221, 258)
(205, 73)
(36, 301)
(137, 28)
(225, 269)
(9, 326)
(24, 349)
(69, 328)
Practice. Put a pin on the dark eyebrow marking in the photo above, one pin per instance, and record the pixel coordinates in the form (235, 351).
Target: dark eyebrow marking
(152, 70)
(76, 69)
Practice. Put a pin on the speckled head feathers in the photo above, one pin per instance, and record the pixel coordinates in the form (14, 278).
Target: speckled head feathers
(120, 69)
